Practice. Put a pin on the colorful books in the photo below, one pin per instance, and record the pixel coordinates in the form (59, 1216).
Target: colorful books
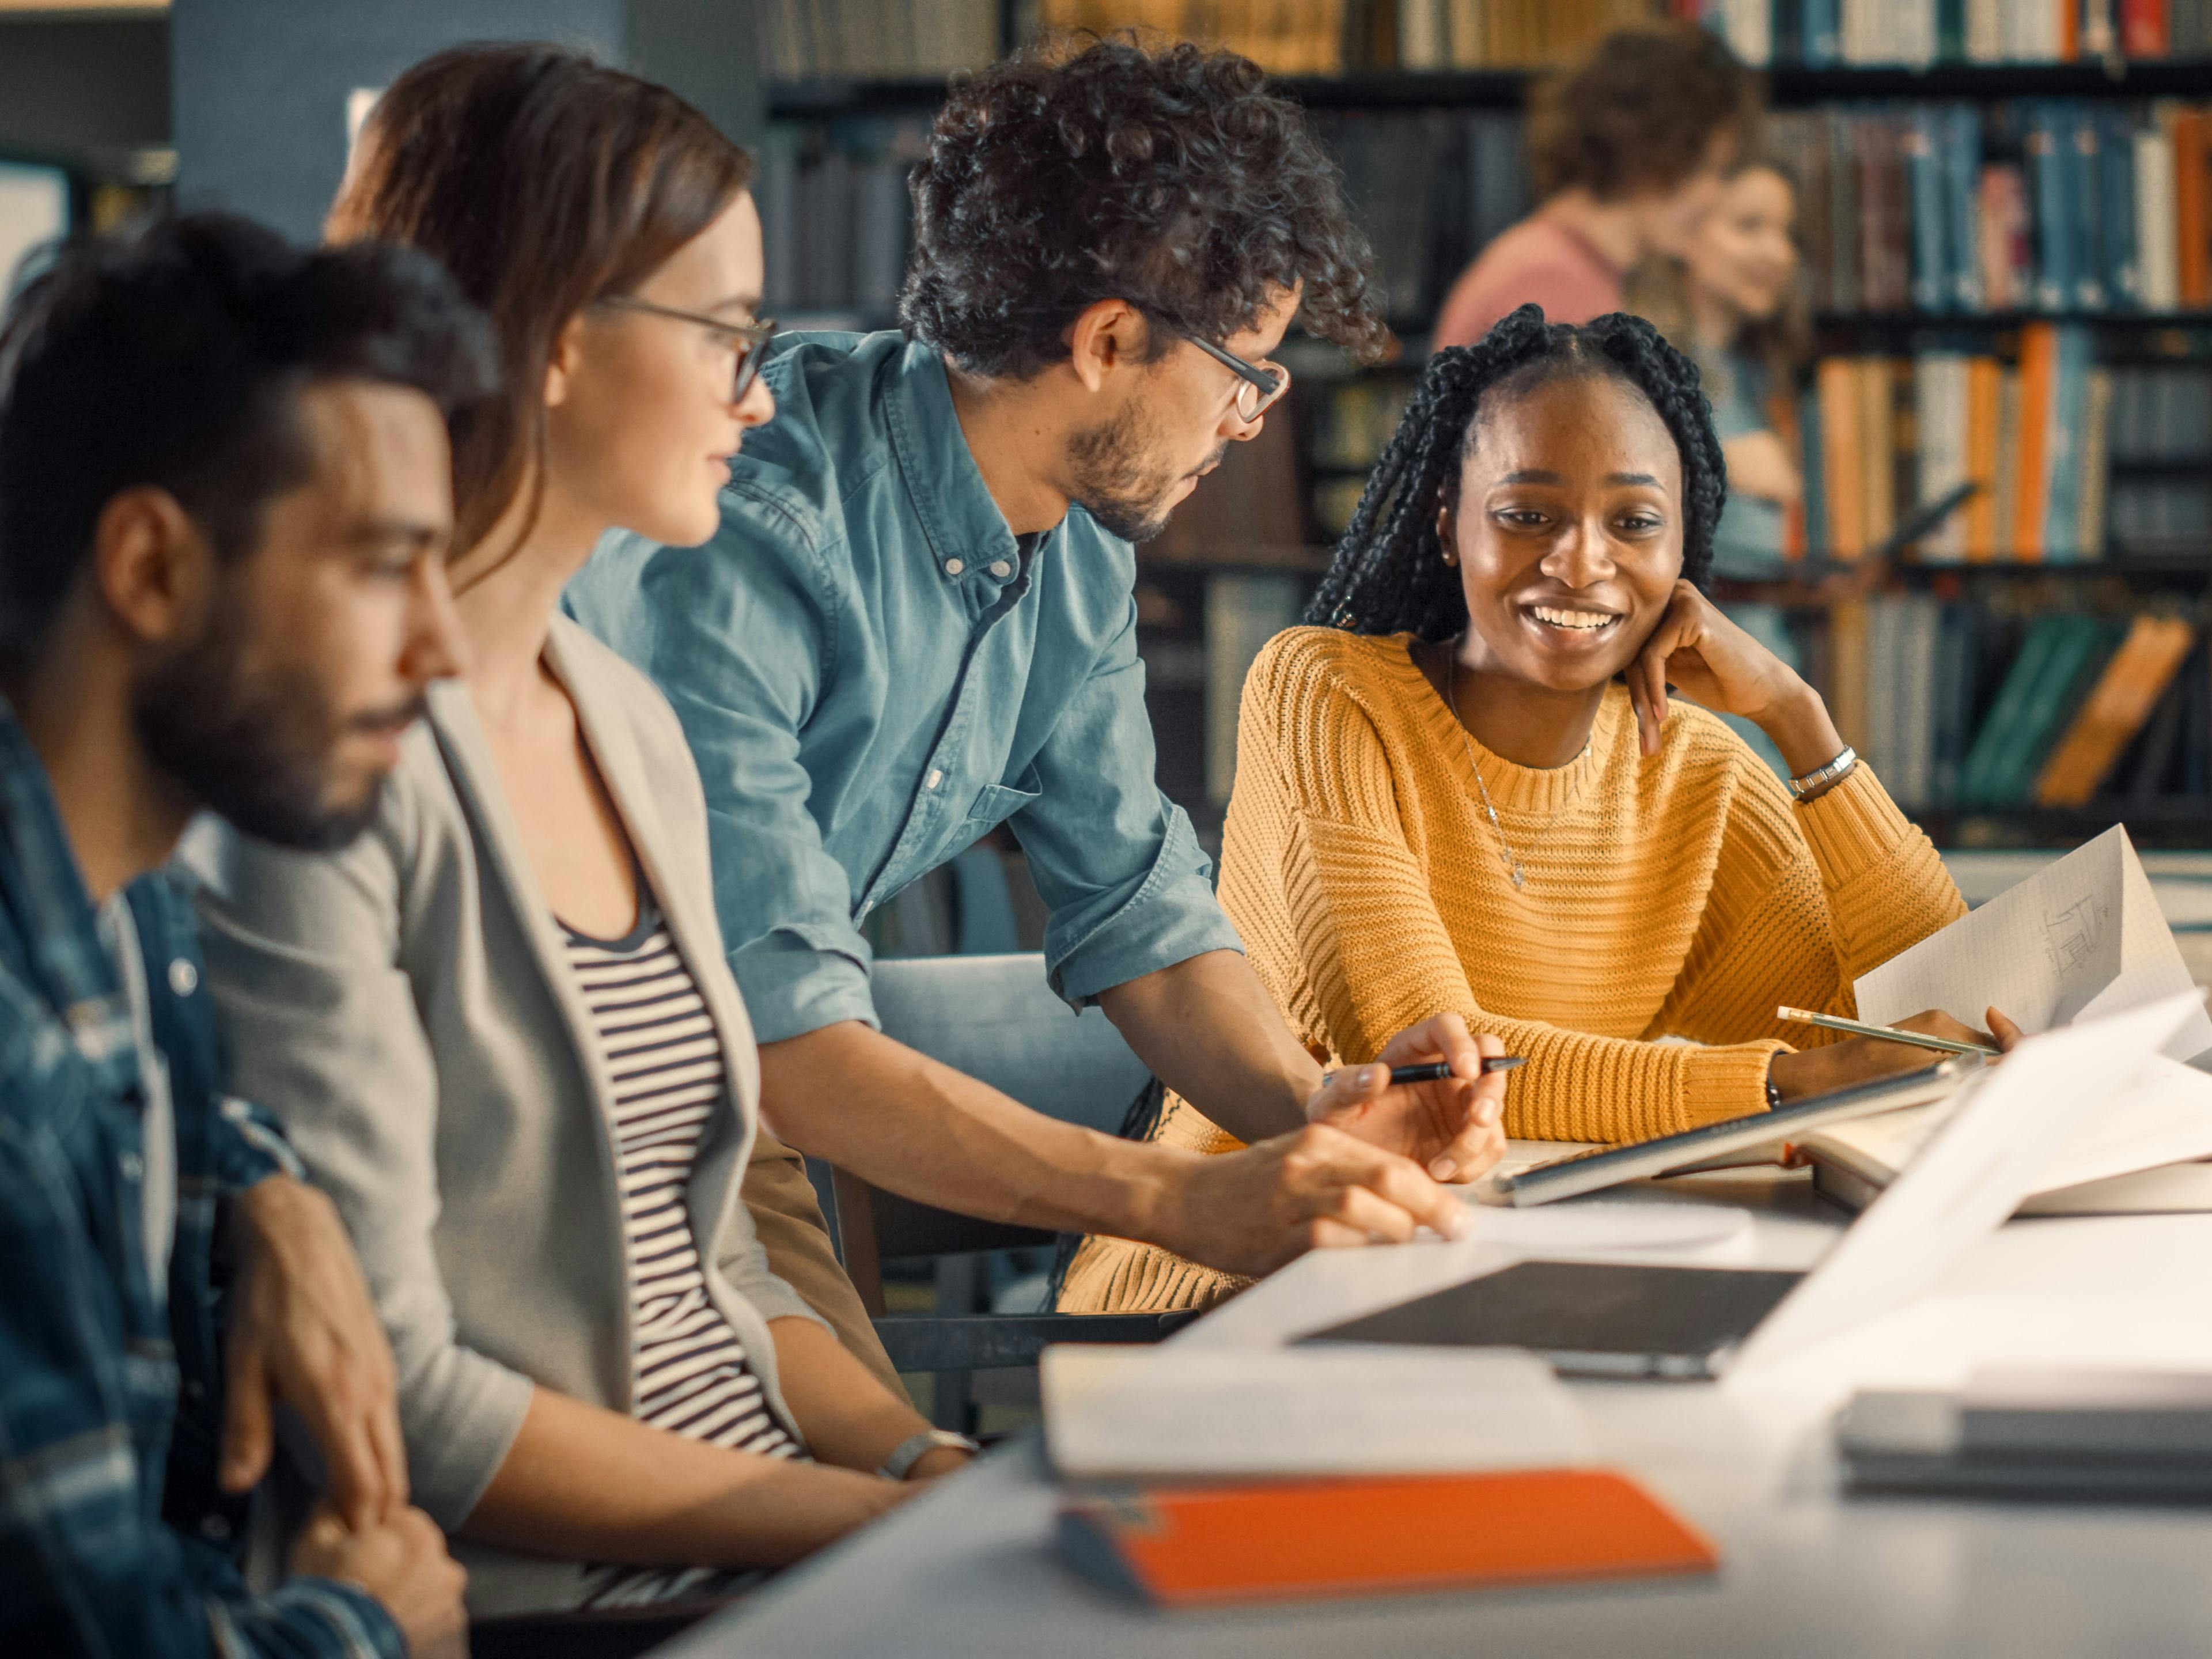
(2046, 204)
(2115, 710)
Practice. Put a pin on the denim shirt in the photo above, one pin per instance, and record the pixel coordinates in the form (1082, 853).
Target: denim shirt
(114, 1537)
(872, 673)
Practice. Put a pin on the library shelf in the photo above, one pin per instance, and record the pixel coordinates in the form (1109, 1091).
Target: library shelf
(2180, 573)
(1788, 86)
(2160, 821)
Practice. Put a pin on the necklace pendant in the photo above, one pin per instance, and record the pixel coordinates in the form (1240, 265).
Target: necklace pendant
(1518, 882)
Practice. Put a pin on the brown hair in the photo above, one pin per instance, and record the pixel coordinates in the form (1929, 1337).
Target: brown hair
(542, 180)
(1639, 113)
(1658, 289)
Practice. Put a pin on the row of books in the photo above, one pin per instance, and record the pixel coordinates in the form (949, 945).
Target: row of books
(1440, 35)
(2040, 204)
(1430, 188)
(1284, 37)
(1979, 707)
(2070, 455)
(1822, 34)
(868, 39)
(834, 203)
(836, 216)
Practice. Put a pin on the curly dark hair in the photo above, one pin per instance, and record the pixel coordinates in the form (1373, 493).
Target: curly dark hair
(1387, 576)
(1640, 111)
(1170, 178)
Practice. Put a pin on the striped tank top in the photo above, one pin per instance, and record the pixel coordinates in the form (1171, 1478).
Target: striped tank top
(692, 1376)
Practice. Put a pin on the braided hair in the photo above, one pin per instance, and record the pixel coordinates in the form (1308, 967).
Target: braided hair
(1388, 577)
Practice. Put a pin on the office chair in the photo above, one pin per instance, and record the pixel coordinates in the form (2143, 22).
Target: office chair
(995, 1018)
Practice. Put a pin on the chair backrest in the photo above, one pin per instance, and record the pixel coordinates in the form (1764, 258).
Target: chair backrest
(995, 1018)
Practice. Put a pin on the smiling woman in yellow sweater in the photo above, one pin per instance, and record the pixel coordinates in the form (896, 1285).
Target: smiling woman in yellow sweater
(1471, 790)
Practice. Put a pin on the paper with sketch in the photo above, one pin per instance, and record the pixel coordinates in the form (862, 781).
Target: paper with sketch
(2077, 940)
(2164, 1116)
(1113, 1411)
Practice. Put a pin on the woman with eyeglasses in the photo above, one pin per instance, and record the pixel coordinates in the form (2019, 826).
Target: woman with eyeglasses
(500, 1026)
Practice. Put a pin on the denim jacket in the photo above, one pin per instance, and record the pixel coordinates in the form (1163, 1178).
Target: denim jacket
(114, 1536)
(872, 673)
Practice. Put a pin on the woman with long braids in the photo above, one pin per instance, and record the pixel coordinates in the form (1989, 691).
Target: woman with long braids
(1469, 786)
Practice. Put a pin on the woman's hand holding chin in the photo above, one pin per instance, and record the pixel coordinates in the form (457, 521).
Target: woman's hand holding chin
(1714, 663)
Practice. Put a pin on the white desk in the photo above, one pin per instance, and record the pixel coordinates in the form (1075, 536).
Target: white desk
(967, 1570)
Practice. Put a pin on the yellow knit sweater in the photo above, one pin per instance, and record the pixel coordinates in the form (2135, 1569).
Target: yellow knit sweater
(1682, 894)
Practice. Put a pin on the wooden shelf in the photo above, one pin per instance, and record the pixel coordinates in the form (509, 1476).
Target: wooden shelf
(1925, 322)
(2165, 821)
(1789, 86)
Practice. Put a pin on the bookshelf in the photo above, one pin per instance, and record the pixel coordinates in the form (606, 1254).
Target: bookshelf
(1457, 129)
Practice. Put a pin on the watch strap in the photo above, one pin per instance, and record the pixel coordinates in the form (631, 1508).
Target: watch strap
(916, 1447)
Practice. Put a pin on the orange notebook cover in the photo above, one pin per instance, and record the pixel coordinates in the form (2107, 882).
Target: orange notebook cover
(1372, 1535)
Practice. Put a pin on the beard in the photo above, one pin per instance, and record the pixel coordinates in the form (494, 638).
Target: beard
(258, 748)
(1118, 484)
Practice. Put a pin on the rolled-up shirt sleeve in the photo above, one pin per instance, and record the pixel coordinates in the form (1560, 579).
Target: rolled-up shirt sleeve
(785, 903)
(1129, 888)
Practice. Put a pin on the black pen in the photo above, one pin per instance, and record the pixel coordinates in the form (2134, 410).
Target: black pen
(1435, 1071)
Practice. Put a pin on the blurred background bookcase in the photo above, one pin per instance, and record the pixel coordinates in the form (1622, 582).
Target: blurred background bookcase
(1911, 125)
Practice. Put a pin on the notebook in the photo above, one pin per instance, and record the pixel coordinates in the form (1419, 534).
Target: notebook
(1122, 1412)
(1186, 1547)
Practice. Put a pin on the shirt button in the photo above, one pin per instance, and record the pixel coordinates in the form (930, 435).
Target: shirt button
(954, 567)
(184, 978)
(133, 1166)
(1001, 569)
(934, 778)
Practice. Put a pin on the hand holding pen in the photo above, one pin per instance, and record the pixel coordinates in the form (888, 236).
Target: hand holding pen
(1870, 1051)
(1435, 1095)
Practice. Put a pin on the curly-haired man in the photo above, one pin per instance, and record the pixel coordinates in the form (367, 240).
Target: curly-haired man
(916, 624)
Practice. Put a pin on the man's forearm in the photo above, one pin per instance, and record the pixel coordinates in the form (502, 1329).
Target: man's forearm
(1210, 1032)
(902, 1121)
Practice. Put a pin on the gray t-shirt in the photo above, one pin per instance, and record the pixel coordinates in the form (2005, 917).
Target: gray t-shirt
(158, 1191)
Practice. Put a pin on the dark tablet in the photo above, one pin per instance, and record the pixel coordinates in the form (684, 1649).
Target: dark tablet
(1592, 1317)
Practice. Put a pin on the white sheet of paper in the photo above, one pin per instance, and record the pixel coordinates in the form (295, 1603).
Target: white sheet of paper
(1123, 1412)
(2163, 1117)
(2081, 938)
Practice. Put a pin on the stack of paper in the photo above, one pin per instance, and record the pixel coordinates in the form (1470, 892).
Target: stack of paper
(2163, 1117)
(1121, 1413)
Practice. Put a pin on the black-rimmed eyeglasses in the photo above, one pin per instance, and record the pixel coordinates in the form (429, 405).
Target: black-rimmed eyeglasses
(748, 342)
(1264, 383)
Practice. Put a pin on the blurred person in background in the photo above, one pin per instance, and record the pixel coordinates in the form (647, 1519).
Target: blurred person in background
(1627, 152)
(1732, 303)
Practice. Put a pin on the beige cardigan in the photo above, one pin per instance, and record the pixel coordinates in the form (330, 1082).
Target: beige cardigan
(405, 1007)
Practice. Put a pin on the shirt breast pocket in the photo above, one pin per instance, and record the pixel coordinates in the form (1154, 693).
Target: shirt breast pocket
(997, 802)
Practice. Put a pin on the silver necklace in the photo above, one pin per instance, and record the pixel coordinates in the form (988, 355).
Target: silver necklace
(1505, 848)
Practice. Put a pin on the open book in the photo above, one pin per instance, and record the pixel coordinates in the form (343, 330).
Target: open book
(2138, 1155)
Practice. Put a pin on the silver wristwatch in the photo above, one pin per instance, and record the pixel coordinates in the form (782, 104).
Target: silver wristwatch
(916, 1447)
(1821, 776)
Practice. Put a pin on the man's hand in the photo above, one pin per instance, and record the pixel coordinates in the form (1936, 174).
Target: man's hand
(1450, 1128)
(304, 1331)
(404, 1564)
(1315, 1189)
